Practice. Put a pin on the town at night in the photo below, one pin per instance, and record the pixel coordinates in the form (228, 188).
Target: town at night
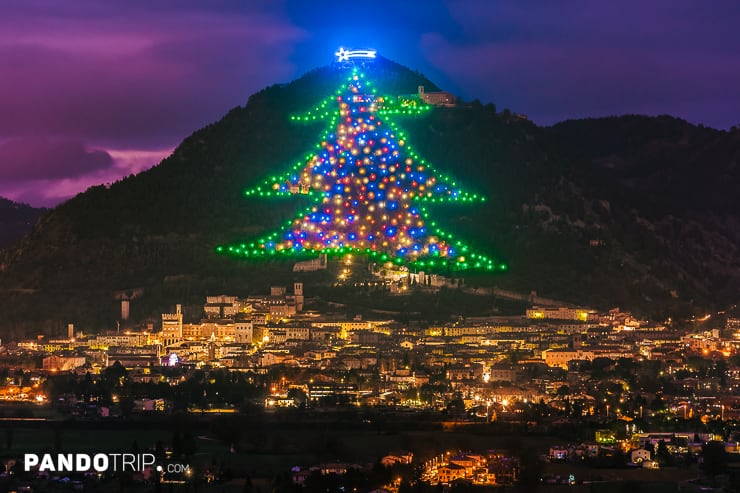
(459, 247)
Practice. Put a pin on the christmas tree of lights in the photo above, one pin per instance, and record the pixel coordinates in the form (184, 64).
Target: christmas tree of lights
(367, 190)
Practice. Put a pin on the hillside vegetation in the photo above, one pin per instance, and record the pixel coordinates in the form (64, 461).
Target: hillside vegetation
(16, 220)
(631, 211)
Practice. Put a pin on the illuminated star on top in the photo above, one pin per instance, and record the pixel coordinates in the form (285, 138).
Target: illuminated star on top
(344, 55)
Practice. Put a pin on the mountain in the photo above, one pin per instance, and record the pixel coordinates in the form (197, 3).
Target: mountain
(631, 211)
(16, 220)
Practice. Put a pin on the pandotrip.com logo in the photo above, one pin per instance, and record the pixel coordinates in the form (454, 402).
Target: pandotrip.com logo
(101, 463)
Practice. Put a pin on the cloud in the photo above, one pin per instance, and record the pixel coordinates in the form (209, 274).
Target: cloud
(134, 161)
(93, 91)
(39, 189)
(31, 157)
(121, 74)
(555, 60)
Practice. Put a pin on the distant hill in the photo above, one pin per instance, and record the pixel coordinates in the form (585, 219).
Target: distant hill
(629, 211)
(16, 220)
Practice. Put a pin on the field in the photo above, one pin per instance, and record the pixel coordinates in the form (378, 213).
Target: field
(266, 446)
(263, 445)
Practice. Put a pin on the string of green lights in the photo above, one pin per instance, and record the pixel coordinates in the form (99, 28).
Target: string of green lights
(363, 182)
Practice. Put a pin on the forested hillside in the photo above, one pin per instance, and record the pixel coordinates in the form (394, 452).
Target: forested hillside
(16, 220)
(629, 211)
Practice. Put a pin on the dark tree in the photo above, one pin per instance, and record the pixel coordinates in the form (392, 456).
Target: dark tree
(8, 438)
(177, 449)
(715, 458)
(530, 470)
(188, 444)
(57, 439)
(650, 448)
(662, 454)
(127, 406)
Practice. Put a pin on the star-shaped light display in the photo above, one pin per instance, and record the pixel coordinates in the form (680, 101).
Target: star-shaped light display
(345, 55)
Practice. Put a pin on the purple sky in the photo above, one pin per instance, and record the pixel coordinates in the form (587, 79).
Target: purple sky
(94, 90)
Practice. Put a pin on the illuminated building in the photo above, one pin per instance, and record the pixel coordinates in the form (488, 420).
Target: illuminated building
(562, 313)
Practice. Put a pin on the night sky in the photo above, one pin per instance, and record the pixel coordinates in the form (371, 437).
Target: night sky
(91, 91)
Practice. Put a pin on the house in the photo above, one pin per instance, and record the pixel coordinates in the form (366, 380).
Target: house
(62, 363)
(311, 265)
(640, 455)
(467, 462)
(587, 449)
(400, 457)
(439, 98)
(650, 464)
(450, 472)
(459, 372)
(557, 453)
(300, 474)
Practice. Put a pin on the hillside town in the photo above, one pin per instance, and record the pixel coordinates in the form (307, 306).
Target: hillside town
(550, 354)
(649, 392)
(482, 247)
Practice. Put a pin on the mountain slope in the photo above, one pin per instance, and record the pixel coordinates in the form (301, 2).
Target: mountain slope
(676, 184)
(572, 230)
(16, 220)
(570, 224)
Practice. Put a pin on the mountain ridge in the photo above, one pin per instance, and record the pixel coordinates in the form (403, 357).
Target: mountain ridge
(16, 219)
